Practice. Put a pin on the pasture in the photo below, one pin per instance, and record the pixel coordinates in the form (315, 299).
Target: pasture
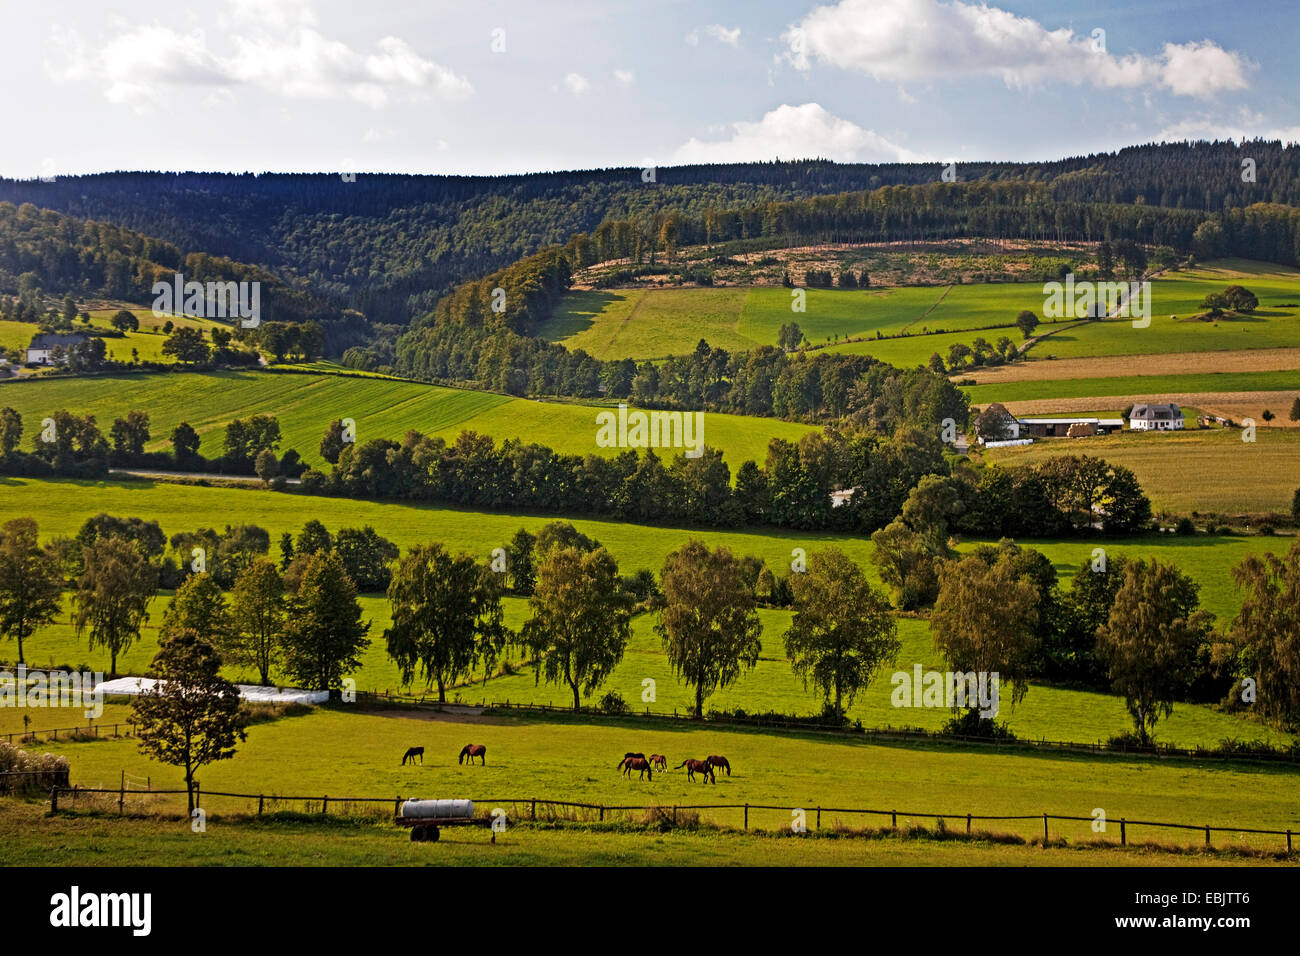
(147, 341)
(344, 751)
(1048, 712)
(305, 404)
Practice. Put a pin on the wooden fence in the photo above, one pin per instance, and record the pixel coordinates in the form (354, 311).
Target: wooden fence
(85, 730)
(672, 811)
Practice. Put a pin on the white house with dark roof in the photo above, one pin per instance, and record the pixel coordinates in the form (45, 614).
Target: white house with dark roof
(41, 351)
(1155, 418)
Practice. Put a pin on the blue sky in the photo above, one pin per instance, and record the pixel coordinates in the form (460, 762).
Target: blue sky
(492, 87)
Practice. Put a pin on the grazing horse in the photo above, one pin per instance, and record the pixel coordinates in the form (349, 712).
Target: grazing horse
(660, 761)
(716, 761)
(697, 766)
(411, 754)
(471, 751)
(630, 756)
(637, 763)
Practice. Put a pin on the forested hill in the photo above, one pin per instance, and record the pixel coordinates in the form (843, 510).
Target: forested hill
(391, 245)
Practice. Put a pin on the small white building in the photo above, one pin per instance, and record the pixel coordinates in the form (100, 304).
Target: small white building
(1155, 418)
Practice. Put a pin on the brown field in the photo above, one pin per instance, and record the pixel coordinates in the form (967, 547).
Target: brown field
(1206, 470)
(1234, 405)
(1117, 366)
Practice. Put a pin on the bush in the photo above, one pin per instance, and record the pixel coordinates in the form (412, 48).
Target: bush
(1265, 529)
(48, 770)
(1184, 526)
(971, 724)
(613, 703)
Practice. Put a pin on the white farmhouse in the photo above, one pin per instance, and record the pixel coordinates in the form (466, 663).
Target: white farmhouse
(41, 350)
(1155, 418)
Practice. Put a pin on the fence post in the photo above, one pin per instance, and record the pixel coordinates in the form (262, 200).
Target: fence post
(968, 824)
(819, 818)
(1123, 835)
(893, 819)
(1044, 829)
(1288, 841)
(1207, 836)
(674, 816)
(534, 808)
(397, 806)
(54, 799)
(121, 795)
(324, 805)
(260, 799)
(747, 816)
(602, 813)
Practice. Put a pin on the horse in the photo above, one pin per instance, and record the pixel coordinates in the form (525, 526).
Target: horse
(715, 761)
(697, 766)
(630, 756)
(660, 761)
(411, 754)
(471, 751)
(637, 763)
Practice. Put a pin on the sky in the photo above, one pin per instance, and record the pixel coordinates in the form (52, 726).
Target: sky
(505, 86)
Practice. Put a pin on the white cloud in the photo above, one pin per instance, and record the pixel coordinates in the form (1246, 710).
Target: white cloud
(728, 35)
(576, 83)
(624, 77)
(795, 132)
(903, 41)
(272, 47)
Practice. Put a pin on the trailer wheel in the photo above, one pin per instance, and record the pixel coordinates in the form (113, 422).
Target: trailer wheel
(433, 834)
(418, 835)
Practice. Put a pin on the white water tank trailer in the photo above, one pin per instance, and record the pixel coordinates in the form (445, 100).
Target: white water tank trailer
(426, 818)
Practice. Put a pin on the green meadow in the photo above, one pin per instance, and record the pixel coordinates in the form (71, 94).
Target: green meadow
(305, 404)
(654, 323)
(147, 341)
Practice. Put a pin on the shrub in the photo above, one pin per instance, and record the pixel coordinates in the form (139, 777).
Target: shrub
(1184, 526)
(613, 703)
(47, 770)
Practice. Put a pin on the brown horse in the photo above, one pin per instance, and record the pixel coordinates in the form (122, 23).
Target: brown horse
(697, 766)
(630, 756)
(637, 763)
(411, 754)
(660, 761)
(716, 761)
(471, 751)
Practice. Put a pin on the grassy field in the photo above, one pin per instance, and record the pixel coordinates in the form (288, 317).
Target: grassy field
(31, 838)
(1205, 470)
(382, 408)
(1052, 713)
(147, 341)
(343, 752)
(652, 323)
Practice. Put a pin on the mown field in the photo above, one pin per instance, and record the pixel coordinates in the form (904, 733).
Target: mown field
(653, 323)
(305, 404)
(345, 752)
(1052, 713)
(1205, 470)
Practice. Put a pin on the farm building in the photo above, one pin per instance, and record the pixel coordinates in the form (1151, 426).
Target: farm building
(1060, 427)
(843, 497)
(1152, 418)
(41, 349)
